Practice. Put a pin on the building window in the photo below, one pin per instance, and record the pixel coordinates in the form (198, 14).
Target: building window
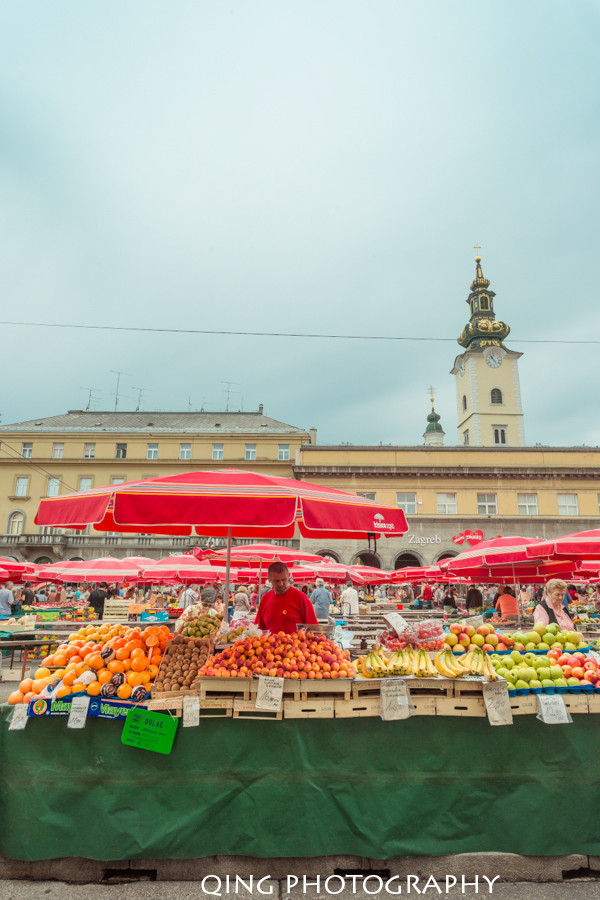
(466, 437)
(121, 451)
(446, 504)
(16, 521)
(366, 495)
(26, 451)
(53, 487)
(89, 450)
(464, 402)
(484, 303)
(151, 451)
(283, 451)
(118, 480)
(22, 488)
(496, 396)
(407, 503)
(528, 504)
(567, 505)
(217, 451)
(499, 434)
(185, 451)
(250, 451)
(487, 505)
(85, 484)
(58, 451)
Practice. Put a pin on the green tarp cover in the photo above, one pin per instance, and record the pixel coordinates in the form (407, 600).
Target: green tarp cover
(424, 786)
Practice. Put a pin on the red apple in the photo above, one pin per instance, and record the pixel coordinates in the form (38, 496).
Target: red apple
(567, 670)
(464, 639)
(501, 646)
(483, 629)
(591, 676)
(554, 654)
(468, 629)
(493, 640)
(564, 659)
(577, 672)
(489, 647)
(455, 628)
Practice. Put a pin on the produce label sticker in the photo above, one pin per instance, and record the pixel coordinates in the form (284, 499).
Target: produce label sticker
(552, 710)
(149, 731)
(497, 703)
(395, 700)
(18, 720)
(191, 712)
(79, 710)
(396, 622)
(270, 693)
(475, 621)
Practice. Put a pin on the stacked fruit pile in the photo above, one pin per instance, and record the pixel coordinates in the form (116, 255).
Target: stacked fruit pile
(182, 660)
(201, 626)
(465, 637)
(531, 672)
(542, 638)
(243, 628)
(115, 661)
(417, 663)
(80, 615)
(303, 655)
(427, 635)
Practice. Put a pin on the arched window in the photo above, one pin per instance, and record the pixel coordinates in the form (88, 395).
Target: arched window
(16, 521)
(464, 402)
(496, 395)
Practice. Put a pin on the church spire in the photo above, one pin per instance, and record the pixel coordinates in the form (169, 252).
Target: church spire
(434, 433)
(483, 330)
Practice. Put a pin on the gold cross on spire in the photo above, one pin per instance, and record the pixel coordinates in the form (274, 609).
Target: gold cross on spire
(431, 392)
(477, 247)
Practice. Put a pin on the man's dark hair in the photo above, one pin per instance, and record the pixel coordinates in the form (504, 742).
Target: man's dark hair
(278, 568)
(27, 584)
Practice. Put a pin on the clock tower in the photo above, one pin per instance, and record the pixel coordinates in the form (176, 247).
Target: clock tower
(488, 394)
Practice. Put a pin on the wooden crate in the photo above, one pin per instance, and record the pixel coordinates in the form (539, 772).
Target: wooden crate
(464, 687)
(116, 611)
(425, 706)
(593, 703)
(357, 707)
(523, 706)
(362, 688)
(577, 703)
(246, 709)
(216, 687)
(430, 687)
(164, 704)
(460, 706)
(213, 708)
(320, 708)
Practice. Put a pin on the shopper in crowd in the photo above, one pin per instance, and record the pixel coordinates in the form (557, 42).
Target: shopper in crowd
(321, 599)
(7, 599)
(449, 600)
(284, 607)
(189, 596)
(27, 595)
(551, 610)
(52, 594)
(241, 603)
(474, 598)
(349, 600)
(97, 598)
(254, 597)
(506, 603)
(438, 595)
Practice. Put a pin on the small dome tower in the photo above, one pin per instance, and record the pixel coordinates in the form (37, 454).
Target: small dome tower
(434, 433)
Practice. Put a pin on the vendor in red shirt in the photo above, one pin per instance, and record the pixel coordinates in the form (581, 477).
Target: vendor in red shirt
(284, 607)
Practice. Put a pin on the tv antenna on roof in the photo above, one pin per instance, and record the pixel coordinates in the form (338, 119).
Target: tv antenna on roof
(91, 398)
(229, 392)
(118, 374)
(139, 400)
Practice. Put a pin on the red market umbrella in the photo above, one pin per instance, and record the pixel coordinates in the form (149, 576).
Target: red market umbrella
(417, 573)
(257, 554)
(580, 545)
(498, 551)
(184, 568)
(533, 570)
(106, 568)
(330, 571)
(371, 574)
(13, 567)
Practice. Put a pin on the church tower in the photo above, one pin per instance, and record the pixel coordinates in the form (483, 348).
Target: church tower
(488, 394)
(434, 433)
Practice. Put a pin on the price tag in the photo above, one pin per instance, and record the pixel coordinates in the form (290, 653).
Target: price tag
(18, 720)
(396, 622)
(395, 700)
(552, 710)
(270, 693)
(79, 710)
(497, 702)
(149, 730)
(191, 712)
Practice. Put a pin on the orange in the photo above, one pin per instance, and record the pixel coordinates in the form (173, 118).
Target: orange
(42, 673)
(124, 692)
(134, 678)
(137, 652)
(151, 640)
(139, 664)
(83, 652)
(95, 661)
(115, 666)
(59, 673)
(122, 653)
(71, 651)
(94, 688)
(104, 675)
(78, 688)
(28, 696)
(152, 671)
(15, 697)
(62, 692)
(49, 660)
(156, 659)
(38, 685)
(145, 676)
(25, 685)
(69, 677)
(60, 659)
(118, 643)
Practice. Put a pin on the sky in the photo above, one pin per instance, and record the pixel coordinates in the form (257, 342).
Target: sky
(308, 167)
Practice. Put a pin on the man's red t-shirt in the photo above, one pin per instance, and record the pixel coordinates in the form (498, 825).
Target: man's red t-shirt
(282, 612)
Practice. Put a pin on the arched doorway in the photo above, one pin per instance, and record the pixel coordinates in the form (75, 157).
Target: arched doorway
(407, 559)
(76, 559)
(329, 554)
(43, 561)
(447, 554)
(366, 558)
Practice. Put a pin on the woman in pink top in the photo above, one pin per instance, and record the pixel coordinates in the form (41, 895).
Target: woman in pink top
(551, 609)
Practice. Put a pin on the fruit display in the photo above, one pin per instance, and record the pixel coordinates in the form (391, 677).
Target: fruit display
(418, 664)
(237, 630)
(199, 626)
(540, 639)
(426, 635)
(303, 655)
(110, 661)
(79, 615)
(461, 637)
(553, 672)
(182, 660)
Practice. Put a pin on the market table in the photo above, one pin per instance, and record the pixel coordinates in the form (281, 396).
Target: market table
(302, 788)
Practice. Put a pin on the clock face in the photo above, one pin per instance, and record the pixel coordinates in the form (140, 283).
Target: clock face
(461, 367)
(493, 360)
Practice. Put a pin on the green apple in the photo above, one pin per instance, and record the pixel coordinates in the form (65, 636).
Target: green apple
(548, 638)
(553, 628)
(522, 685)
(560, 637)
(573, 637)
(581, 645)
(526, 674)
(556, 672)
(573, 682)
(512, 677)
(502, 672)
(530, 658)
(539, 627)
(547, 682)
(534, 683)
(570, 647)
(529, 646)
(544, 673)
(508, 662)
(560, 682)
(543, 646)
(557, 646)
(516, 655)
(533, 637)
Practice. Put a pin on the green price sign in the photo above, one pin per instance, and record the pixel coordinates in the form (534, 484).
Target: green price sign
(149, 730)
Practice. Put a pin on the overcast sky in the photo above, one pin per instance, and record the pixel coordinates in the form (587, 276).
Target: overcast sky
(317, 167)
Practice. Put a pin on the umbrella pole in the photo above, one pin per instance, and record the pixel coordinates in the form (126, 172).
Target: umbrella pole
(227, 571)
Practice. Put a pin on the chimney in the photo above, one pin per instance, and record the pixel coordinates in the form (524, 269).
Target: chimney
(313, 435)
(260, 409)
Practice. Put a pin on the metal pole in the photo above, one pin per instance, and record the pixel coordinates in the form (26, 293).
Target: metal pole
(227, 570)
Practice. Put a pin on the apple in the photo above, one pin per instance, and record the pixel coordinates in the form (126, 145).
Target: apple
(590, 664)
(554, 653)
(591, 676)
(563, 659)
(478, 639)
(578, 672)
(548, 638)
(567, 671)
(501, 646)
(556, 672)
(493, 639)
(464, 639)
(488, 647)
(580, 656)
(451, 639)
(573, 682)
(539, 627)
(508, 639)
(483, 630)
(455, 628)
(519, 646)
(468, 629)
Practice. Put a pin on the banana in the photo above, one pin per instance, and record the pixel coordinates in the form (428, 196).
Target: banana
(380, 666)
(430, 669)
(488, 670)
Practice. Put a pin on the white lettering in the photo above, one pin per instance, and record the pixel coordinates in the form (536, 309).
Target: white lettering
(306, 883)
(342, 880)
(431, 882)
(353, 878)
(415, 539)
(389, 881)
(258, 885)
(474, 884)
(376, 878)
(216, 893)
(450, 882)
(240, 881)
(409, 880)
(490, 882)
(289, 882)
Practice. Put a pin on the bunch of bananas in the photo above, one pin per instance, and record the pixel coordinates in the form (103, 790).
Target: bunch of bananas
(477, 662)
(447, 665)
(423, 667)
(402, 662)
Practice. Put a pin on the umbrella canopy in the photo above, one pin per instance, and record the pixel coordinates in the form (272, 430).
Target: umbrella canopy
(417, 573)
(257, 554)
(370, 574)
(499, 551)
(330, 571)
(106, 568)
(533, 570)
(13, 567)
(229, 502)
(580, 545)
(184, 568)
